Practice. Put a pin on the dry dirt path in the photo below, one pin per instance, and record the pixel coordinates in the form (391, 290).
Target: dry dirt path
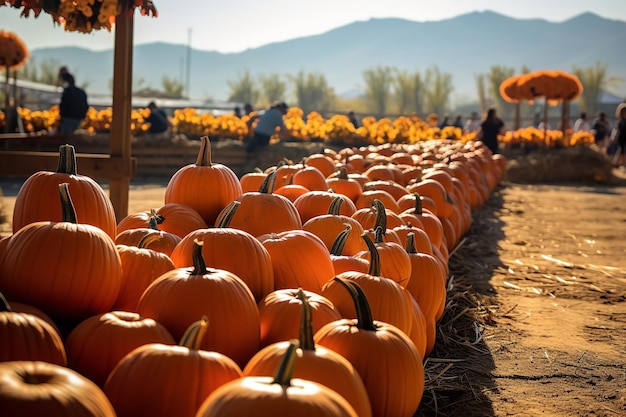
(536, 323)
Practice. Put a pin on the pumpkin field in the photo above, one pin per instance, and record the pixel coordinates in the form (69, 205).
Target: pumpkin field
(430, 279)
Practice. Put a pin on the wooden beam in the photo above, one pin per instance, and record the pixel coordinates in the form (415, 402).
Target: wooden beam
(24, 163)
(120, 125)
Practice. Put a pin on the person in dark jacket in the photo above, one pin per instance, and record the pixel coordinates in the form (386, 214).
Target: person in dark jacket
(490, 129)
(158, 120)
(73, 107)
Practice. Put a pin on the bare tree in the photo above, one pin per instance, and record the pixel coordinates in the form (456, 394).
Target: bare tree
(273, 87)
(594, 79)
(172, 87)
(497, 74)
(481, 91)
(244, 89)
(403, 91)
(378, 82)
(313, 92)
(438, 90)
(418, 93)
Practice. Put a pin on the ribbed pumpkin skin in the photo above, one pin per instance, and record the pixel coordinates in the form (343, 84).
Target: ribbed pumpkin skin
(178, 219)
(161, 380)
(232, 250)
(280, 314)
(428, 285)
(204, 186)
(26, 337)
(178, 298)
(320, 365)
(38, 200)
(259, 397)
(67, 270)
(316, 203)
(59, 392)
(98, 343)
(327, 227)
(165, 244)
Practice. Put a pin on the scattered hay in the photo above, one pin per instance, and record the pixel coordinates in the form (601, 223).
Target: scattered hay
(578, 164)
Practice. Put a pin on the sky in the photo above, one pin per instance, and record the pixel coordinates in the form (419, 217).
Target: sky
(236, 25)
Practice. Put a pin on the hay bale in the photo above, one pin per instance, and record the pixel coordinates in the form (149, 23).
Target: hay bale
(579, 164)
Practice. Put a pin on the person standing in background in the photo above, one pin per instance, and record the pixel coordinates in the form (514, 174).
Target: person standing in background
(266, 126)
(582, 124)
(353, 119)
(619, 136)
(472, 124)
(601, 131)
(490, 129)
(158, 120)
(73, 107)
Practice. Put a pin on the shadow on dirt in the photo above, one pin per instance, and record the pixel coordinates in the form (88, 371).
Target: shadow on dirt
(458, 371)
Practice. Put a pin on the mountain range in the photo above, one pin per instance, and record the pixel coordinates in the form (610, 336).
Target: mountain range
(463, 46)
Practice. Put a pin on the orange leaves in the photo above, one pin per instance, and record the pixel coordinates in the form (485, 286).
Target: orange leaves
(553, 85)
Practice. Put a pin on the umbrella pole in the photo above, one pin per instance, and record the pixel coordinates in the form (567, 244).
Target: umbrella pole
(517, 115)
(545, 121)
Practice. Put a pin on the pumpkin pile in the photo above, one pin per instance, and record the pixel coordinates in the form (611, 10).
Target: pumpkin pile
(312, 288)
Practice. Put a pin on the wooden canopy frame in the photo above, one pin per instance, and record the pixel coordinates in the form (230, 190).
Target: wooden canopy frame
(118, 166)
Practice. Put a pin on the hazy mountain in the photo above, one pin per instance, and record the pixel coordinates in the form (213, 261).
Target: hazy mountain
(463, 46)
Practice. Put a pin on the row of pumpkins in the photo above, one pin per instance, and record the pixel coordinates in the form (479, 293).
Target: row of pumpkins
(311, 288)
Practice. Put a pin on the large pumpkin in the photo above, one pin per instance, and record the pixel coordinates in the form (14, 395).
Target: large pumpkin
(35, 388)
(204, 186)
(66, 269)
(92, 205)
(177, 219)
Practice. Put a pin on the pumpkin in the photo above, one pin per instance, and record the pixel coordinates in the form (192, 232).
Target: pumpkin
(377, 215)
(251, 181)
(394, 382)
(345, 263)
(280, 318)
(365, 200)
(26, 337)
(68, 270)
(433, 189)
(92, 205)
(160, 380)
(180, 295)
(314, 363)
(419, 327)
(344, 185)
(393, 259)
(311, 178)
(163, 242)
(317, 203)
(325, 164)
(328, 226)
(262, 212)
(292, 191)
(232, 250)
(299, 259)
(430, 222)
(177, 219)
(396, 190)
(97, 344)
(281, 395)
(205, 186)
(35, 388)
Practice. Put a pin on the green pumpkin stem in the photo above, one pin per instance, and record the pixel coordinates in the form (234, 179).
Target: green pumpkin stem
(374, 269)
(194, 334)
(335, 206)
(418, 204)
(410, 243)
(4, 304)
(199, 267)
(67, 160)
(204, 154)
(229, 213)
(364, 320)
(340, 241)
(287, 365)
(381, 214)
(306, 323)
(68, 212)
(267, 186)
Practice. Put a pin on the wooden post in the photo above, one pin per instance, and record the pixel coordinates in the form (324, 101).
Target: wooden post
(122, 106)
(517, 115)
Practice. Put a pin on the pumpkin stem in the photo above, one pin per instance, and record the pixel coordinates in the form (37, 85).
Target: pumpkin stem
(381, 214)
(418, 204)
(199, 267)
(267, 186)
(4, 304)
(67, 160)
(306, 323)
(379, 235)
(204, 154)
(364, 320)
(147, 239)
(228, 214)
(159, 218)
(194, 334)
(335, 206)
(410, 243)
(153, 222)
(374, 256)
(340, 241)
(343, 174)
(287, 365)
(258, 170)
(67, 206)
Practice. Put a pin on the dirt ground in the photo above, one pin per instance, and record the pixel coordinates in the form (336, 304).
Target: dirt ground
(536, 323)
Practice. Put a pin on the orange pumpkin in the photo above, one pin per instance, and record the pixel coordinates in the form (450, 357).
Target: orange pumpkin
(317, 203)
(344, 185)
(345, 263)
(204, 186)
(177, 219)
(311, 178)
(159, 241)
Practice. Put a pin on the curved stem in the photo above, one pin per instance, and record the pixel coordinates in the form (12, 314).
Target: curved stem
(340, 241)
(374, 256)
(159, 218)
(335, 206)
(199, 267)
(153, 222)
(343, 174)
(364, 320)
(4, 304)
(410, 243)
(194, 334)
(67, 206)
(287, 365)
(418, 204)
(379, 235)
(229, 212)
(267, 186)
(148, 239)
(204, 154)
(381, 214)
(306, 323)
(67, 160)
